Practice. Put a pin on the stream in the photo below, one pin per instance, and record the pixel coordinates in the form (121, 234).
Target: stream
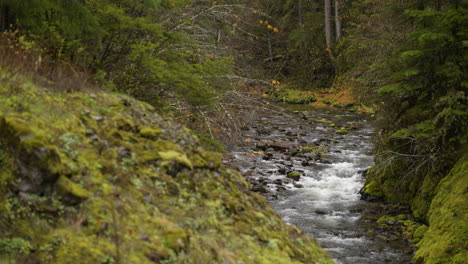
(324, 202)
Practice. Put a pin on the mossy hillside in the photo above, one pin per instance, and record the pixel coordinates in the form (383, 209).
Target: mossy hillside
(292, 96)
(99, 178)
(396, 177)
(446, 239)
(438, 201)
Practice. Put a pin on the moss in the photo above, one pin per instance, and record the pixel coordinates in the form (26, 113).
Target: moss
(402, 217)
(123, 123)
(71, 190)
(210, 143)
(214, 160)
(309, 148)
(447, 236)
(114, 193)
(373, 188)
(176, 156)
(151, 133)
(420, 231)
(387, 220)
(342, 131)
(294, 175)
(292, 96)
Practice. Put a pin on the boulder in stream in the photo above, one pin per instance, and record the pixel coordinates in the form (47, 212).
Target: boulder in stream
(294, 175)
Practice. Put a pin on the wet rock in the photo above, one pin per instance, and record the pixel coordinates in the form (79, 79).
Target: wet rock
(363, 173)
(293, 151)
(281, 188)
(282, 170)
(259, 189)
(294, 175)
(370, 198)
(278, 182)
(262, 180)
(297, 185)
(268, 156)
(260, 146)
(252, 181)
(320, 212)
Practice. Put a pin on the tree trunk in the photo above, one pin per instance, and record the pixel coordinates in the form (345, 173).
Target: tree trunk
(300, 13)
(3, 18)
(328, 34)
(337, 20)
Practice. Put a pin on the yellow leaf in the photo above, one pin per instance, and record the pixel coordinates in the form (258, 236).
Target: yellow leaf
(255, 11)
(234, 25)
(261, 21)
(261, 153)
(270, 27)
(275, 29)
(248, 140)
(265, 95)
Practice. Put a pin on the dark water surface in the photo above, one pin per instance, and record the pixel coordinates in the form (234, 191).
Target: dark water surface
(325, 202)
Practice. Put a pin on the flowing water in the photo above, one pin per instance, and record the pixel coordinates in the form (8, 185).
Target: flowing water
(325, 202)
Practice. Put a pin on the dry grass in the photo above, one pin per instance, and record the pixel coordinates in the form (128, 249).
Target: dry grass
(25, 58)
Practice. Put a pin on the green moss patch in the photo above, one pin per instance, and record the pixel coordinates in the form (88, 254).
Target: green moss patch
(292, 96)
(447, 236)
(103, 179)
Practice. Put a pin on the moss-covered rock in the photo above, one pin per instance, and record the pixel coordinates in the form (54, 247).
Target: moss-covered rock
(342, 131)
(70, 190)
(294, 175)
(150, 133)
(172, 155)
(103, 179)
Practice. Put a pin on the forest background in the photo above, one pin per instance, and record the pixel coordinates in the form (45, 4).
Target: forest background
(202, 62)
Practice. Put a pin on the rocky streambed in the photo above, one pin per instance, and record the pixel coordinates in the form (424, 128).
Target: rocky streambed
(310, 166)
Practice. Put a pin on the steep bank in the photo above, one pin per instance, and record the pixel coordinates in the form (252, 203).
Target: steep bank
(94, 177)
(446, 239)
(409, 60)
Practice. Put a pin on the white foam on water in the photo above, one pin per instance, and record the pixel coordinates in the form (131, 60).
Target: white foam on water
(339, 182)
(335, 240)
